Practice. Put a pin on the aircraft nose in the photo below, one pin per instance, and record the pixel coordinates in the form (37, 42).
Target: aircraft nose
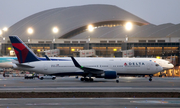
(172, 66)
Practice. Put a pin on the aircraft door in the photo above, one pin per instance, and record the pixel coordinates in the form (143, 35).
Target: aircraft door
(148, 66)
(45, 67)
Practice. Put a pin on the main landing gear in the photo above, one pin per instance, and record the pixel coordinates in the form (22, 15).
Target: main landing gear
(150, 78)
(87, 79)
(91, 79)
(117, 81)
(76, 77)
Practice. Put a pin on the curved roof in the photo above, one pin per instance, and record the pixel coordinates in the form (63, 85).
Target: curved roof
(147, 31)
(71, 21)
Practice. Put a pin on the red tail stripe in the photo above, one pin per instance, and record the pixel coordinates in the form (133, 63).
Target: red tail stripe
(19, 46)
(23, 49)
(17, 54)
(24, 54)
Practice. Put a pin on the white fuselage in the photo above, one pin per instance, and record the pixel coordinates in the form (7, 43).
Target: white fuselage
(5, 62)
(163, 63)
(120, 65)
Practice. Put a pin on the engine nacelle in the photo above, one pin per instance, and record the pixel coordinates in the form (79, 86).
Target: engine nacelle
(110, 74)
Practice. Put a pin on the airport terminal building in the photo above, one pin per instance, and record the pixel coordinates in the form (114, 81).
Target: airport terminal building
(97, 27)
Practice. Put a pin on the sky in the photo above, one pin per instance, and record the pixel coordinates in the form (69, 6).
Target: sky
(154, 11)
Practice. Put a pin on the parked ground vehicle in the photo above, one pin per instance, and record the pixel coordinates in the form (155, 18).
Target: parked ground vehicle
(29, 76)
(47, 77)
(6, 74)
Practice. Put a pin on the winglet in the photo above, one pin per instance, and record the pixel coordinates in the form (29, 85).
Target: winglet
(23, 53)
(76, 63)
(47, 58)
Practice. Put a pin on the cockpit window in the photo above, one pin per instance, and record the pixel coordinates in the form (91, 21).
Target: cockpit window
(169, 63)
(157, 64)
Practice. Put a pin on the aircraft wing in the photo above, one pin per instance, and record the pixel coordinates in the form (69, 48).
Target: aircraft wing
(87, 69)
(47, 58)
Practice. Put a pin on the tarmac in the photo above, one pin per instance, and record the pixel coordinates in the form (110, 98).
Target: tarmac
(71, 84)
(90, 103)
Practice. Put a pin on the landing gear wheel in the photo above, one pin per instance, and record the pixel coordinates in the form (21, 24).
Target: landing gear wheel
(117, 81)
(86, 79)
(150, 80)
(82, 79)
(91, 80)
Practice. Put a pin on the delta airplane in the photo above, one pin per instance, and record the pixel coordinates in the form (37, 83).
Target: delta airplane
(6, 62)
(108, 68)
(163, 63)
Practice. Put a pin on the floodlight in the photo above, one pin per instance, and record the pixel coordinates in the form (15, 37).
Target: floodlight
(30, 30)
(55, 30)
(128, 26)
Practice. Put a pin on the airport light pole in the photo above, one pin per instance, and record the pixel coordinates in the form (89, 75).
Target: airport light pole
(126, 44)
(30, 31)
(1, 32)
(55, 30)
(90, 29)
(5, 29)
(89, 39)
(128, 27)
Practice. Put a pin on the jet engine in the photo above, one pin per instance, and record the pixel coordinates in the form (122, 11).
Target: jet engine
(108, 75)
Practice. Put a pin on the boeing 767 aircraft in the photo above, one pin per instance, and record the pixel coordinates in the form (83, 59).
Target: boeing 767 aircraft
(108, 68)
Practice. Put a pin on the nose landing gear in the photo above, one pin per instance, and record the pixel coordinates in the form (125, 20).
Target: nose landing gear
(150, 78)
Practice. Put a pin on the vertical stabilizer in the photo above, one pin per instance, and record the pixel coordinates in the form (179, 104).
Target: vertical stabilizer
(23, 53)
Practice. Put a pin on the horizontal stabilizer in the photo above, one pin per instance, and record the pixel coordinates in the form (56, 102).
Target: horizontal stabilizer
(24, 66)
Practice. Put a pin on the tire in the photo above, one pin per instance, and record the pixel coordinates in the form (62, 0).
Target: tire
(117, 81)
(160, 75)
(86, 79)
(91, 80)
(53, 78)
(41, 78)
(82, 79)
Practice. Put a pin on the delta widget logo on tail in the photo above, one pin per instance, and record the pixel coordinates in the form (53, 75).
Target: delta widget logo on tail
(21, 50)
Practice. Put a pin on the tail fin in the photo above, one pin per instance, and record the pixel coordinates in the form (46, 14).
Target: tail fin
(23, 53)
